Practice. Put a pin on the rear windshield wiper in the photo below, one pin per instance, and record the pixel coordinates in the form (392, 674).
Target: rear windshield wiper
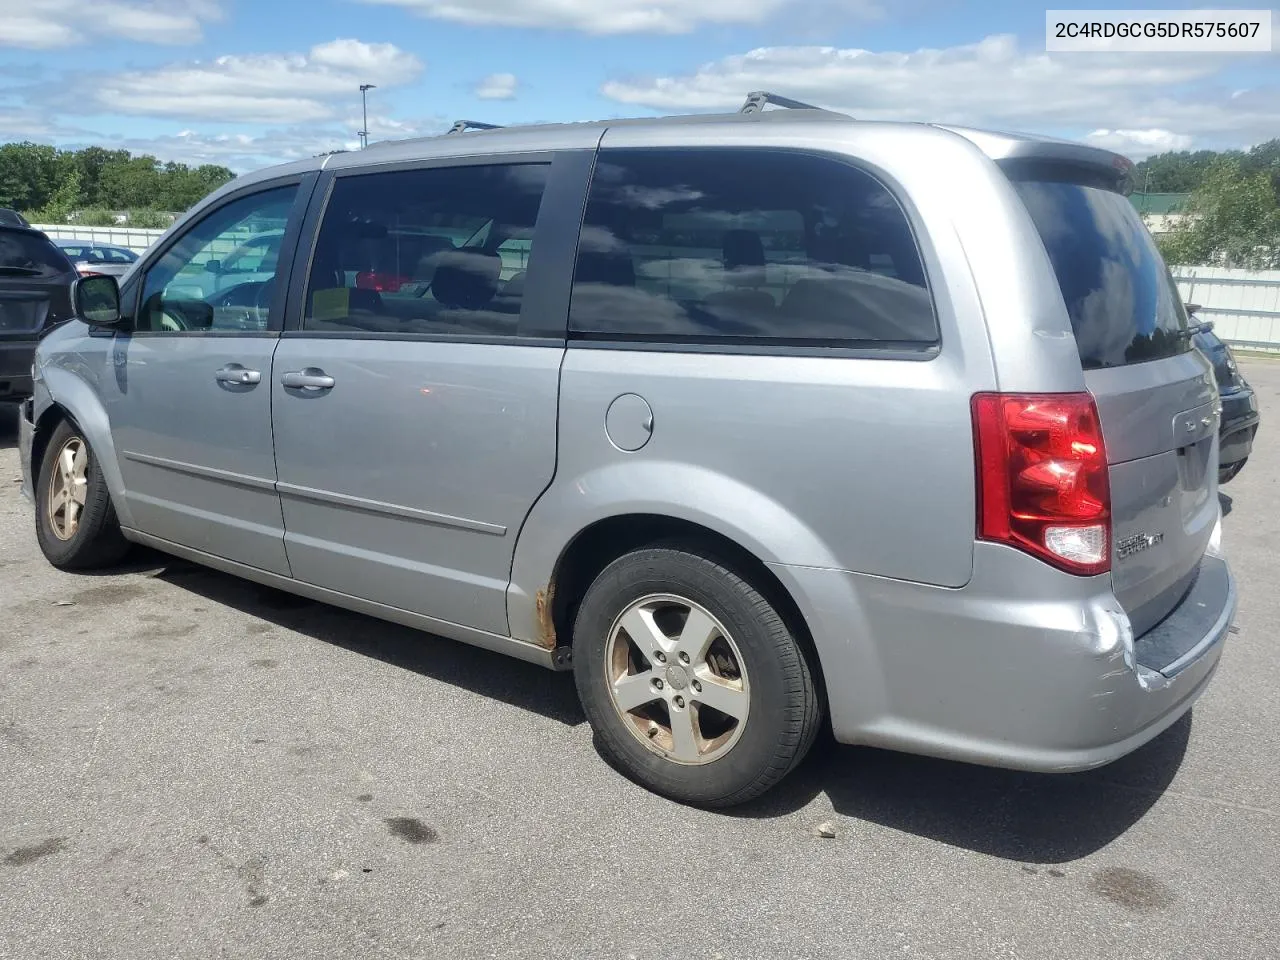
(1192, 329)
(18, 271)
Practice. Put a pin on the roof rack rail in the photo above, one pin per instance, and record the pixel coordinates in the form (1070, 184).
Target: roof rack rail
(462, 126)
(759, 99)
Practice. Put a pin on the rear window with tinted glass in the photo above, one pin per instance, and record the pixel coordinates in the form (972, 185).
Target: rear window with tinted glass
(1122, 301)
(747, 247)
(24, 254)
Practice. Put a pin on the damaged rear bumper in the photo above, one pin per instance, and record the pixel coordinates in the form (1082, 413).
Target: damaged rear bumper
(1024, 667)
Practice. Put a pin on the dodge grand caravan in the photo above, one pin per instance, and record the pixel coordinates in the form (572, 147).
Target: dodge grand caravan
(755, 422)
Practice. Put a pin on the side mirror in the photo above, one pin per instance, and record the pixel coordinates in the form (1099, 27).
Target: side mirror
(96, 300)
(213, 266)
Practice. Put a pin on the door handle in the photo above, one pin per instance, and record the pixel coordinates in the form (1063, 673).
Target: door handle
(312, 378)
(238, 375)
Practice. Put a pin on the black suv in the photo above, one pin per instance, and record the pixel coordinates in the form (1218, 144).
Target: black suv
(35, 294)
(1239, 403)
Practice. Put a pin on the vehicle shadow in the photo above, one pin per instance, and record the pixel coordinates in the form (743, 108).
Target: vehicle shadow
(8, 426)
(1026, 817)
(1226, 503)
(489, 674)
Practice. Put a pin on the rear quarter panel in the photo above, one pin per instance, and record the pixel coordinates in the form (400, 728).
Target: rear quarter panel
(840, 462)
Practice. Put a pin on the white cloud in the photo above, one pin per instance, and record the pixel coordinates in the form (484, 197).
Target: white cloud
(257, 88)
(26, 123)
(46, 24)
(990, 83)
(609, 16)
(241, 151)
(1138, 144)
(247, 151)
(497, 86)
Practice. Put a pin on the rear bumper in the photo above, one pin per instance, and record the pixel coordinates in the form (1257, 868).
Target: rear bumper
(15, 369)
(1024, 667)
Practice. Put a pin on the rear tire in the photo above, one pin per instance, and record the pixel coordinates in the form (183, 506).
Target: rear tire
(694, 684)
(76, 523)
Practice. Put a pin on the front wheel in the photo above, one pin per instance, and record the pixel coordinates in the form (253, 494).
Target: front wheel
(75, 522)
(694, 684)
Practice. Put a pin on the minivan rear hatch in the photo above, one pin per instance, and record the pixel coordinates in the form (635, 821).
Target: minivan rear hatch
(1156, 396)
(35, 283)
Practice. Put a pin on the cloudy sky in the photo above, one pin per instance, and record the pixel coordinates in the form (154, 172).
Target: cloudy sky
(252, 82)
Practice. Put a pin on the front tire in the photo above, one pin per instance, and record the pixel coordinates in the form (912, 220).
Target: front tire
(694, 684)
(76, 524)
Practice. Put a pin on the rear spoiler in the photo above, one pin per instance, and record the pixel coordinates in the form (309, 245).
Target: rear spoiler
(1013, 151)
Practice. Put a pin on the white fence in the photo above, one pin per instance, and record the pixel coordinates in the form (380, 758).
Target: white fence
(1244, 305)
(136, 239)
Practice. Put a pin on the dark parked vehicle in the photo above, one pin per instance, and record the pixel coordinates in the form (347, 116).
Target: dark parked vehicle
(12, 218)
(1239, 403)
(35, 294)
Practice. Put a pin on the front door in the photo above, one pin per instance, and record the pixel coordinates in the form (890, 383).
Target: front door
(415, 409)
(190, 404)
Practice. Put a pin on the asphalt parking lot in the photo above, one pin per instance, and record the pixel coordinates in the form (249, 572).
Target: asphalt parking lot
(195, 766)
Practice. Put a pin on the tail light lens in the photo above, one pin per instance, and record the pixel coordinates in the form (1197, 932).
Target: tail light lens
(1043, 484)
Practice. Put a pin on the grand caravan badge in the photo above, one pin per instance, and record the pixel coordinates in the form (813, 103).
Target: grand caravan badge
(1136, 544)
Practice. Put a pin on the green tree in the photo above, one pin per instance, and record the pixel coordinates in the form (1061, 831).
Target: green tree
(47, 183)
(1232, 220)
(91, 161)
(28, 175)
(67, 198)
(1176, 172)
(135, 182)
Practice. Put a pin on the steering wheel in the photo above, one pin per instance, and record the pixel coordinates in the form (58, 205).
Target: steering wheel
(171, 322)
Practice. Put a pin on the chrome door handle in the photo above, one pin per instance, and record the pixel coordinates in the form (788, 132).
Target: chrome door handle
(241, 376)
(312, 378)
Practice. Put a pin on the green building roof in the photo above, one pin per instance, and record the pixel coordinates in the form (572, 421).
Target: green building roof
(1159, 203)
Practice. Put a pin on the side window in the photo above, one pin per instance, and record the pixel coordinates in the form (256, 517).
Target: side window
(191, 289)
(440, 251)
(743, 246)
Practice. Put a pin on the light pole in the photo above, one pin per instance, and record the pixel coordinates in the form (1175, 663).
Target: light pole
(364, 111)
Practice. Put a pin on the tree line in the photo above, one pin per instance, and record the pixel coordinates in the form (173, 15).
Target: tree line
(1233, 211)
(1232, 217)
(1184, 171)
(48, 185)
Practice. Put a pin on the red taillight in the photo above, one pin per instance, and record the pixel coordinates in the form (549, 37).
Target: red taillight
(1043, 485)
(382, 282)
(87, 272)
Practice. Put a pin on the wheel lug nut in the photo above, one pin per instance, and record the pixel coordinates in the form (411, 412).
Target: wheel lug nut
(657, 684)
(680, 702)
(660, 657)
(684, 658)
(697, 687)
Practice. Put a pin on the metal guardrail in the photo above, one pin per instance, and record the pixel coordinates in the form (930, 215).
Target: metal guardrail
(136, 239)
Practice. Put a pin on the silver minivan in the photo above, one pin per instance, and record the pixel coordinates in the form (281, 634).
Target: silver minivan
(758, 423)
